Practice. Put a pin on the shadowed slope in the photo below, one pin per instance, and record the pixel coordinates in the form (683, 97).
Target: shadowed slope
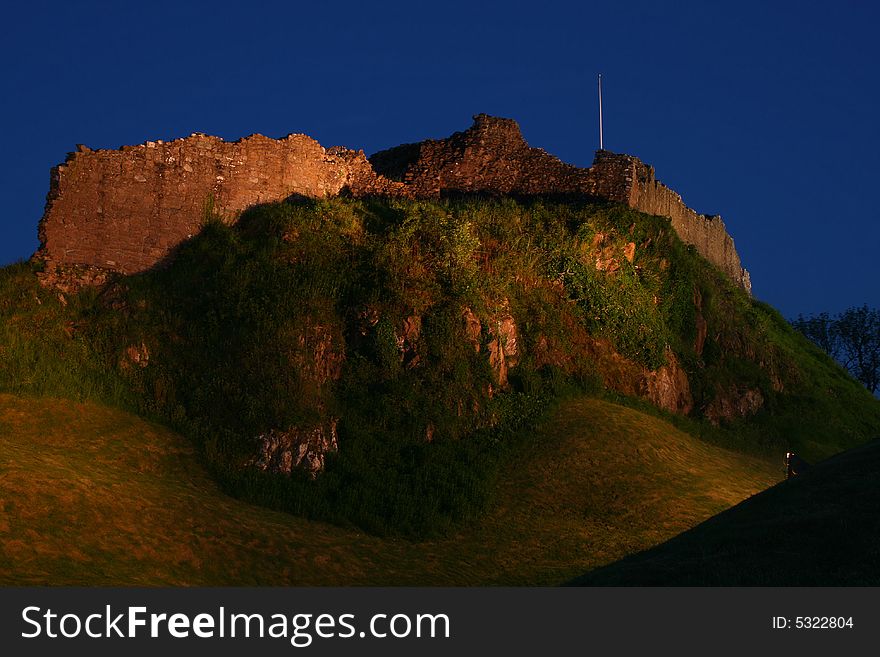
(821, 528)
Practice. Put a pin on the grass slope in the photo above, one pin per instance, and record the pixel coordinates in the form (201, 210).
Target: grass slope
(363, 311)
(94, 495)
(388, 316)
(819, 529)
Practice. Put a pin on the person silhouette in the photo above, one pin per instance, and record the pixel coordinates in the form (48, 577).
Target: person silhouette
(794, 465)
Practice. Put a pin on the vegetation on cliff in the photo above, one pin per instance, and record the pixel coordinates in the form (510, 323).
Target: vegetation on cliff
(431, 333)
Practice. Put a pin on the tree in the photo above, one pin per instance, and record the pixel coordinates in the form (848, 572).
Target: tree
(820, 329)
(852, 338)
(859, 334)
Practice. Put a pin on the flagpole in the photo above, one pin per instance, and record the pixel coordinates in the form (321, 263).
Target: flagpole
(601, 143)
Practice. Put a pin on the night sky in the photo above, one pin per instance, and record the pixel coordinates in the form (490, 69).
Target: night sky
(766, 113)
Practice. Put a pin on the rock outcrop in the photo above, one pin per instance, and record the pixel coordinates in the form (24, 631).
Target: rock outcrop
(668, 387)
(733, 403)
(297, 448)
(503, 346)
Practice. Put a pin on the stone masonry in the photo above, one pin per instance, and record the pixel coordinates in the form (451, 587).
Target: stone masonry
(492, 157)
(126, 210)
(626, 179)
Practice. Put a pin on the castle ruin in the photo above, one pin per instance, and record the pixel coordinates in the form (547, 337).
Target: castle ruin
(126, 210)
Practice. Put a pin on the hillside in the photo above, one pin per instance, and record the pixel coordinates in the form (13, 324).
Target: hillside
(93, 495)
(818, 529)
(377, 363)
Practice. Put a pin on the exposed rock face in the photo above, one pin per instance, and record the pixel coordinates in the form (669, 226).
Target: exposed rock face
(319, 353)
(282, 451)
(126, 210)
(668, 387)
(734, 403)
(608, 255)
(503, 347)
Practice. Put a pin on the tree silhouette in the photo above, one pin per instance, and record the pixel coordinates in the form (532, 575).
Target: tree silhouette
(852, 338)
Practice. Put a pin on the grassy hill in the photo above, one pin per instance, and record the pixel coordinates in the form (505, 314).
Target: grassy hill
(818, 529)
(94, 495)
(523, 390)
(398, 320)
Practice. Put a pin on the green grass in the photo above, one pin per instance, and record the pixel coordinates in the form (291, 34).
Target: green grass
(93, 495)
(234, 323)
(818, 529)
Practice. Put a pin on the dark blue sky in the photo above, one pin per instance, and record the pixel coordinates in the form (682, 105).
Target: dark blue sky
(766, 113)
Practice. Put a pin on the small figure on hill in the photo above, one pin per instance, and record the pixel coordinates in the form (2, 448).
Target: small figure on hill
(794, 465)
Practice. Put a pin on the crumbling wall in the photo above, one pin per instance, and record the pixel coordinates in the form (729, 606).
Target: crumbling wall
(127, 209)
(493, 157)
(626, 179)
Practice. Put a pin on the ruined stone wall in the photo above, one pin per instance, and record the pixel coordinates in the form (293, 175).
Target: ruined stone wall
(127, 209)
(627, 179)
(492, 156)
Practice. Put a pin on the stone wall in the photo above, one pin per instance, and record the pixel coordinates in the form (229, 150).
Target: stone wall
(492, 157)
(626, 179)
(126, 210)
